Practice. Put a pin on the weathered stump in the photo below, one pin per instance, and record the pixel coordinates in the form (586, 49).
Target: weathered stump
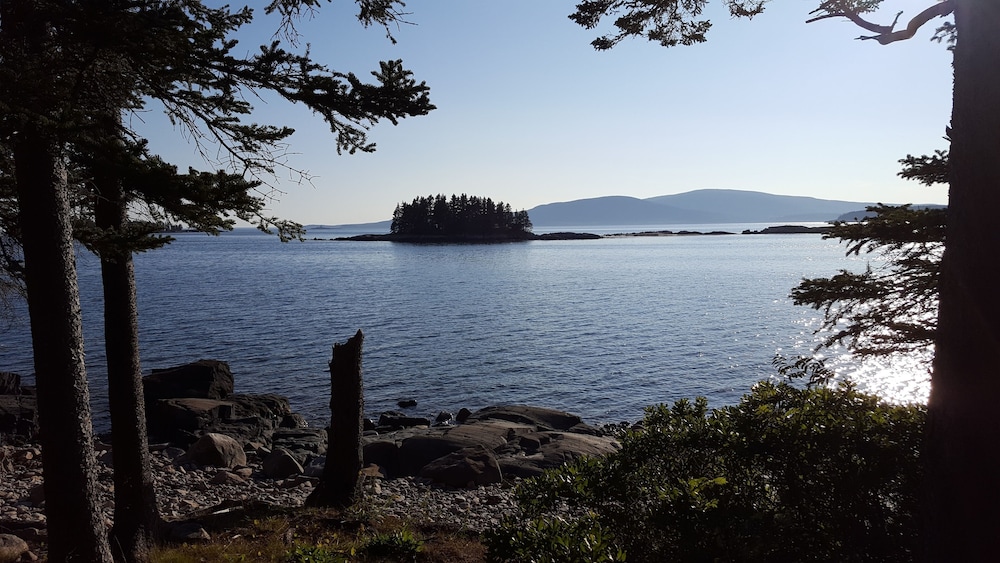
(340, 484)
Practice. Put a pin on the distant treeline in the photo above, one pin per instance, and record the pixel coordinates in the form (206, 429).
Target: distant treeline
(462, 215)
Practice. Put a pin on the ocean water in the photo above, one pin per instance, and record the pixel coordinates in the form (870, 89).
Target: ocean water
(600, 328)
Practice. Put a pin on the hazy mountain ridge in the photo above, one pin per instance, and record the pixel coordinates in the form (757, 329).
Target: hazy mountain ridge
(698, 206)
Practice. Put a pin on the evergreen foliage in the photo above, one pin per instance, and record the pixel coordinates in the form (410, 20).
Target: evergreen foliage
(460, 216)
(788, 474)
(69, 71)
(890, 307)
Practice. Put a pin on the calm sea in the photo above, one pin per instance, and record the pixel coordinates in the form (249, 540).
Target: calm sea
(601, 328)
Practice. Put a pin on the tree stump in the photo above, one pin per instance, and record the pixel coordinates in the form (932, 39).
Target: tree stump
(340, 484)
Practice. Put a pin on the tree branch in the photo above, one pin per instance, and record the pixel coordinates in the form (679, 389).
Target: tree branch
(885, 34)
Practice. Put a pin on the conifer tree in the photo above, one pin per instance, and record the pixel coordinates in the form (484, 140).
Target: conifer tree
(963, 436)
(891, 308)
(62, 62)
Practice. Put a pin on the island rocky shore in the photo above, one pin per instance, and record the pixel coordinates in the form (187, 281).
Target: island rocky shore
(474, 239)
(213, 450)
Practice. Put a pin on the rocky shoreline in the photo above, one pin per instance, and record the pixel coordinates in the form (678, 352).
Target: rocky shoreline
(187, 493)
(214, 451)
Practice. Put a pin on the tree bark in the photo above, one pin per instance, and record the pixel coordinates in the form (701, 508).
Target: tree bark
(963, 447)
(75, 523)
(340, 484)
(136, 517)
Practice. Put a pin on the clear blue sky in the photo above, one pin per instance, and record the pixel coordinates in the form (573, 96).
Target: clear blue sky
(529, 113)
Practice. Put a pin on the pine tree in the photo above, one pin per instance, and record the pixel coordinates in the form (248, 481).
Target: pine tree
(892, 308)
(963, 436)
(63, 62)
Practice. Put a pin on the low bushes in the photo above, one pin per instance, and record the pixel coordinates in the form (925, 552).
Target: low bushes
(788, 474)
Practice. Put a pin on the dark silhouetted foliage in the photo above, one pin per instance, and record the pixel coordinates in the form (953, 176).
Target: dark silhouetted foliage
(462, 215)
(788, 474)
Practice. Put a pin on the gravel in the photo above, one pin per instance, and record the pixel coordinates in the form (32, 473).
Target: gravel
(185, 490)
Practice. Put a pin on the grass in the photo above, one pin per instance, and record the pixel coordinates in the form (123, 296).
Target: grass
(308, 535)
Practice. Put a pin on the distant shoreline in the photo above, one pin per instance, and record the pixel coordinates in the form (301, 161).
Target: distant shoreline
(475, 239)
(480, 239)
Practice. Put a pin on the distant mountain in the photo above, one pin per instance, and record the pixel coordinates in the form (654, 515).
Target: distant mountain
(698, 206)
(616, 210)
(758, 207)
(373, 228)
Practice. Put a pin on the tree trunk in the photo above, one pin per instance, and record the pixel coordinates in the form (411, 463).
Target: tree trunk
(963, 448)
(340, 484)
(75, 523)
(136, 517)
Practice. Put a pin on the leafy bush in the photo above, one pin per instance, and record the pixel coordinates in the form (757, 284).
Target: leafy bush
(400, 543)
(553, 540)
(787, 474)
(316, 554)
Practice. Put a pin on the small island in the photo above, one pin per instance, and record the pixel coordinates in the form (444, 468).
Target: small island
(464, 218)
(790, 230)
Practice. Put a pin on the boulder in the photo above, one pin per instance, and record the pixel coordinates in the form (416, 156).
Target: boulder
(563, 448)
(394, 419)
(302, 443)
(204, 379)
(417, 451)
(315, 467)
(227, 478)
(19, 417)
(246, 418)
(217, 450)
(383, 453)
(189, 532)
(11, 548)
(490, 433)
(247, 431)
(545, 419)
(468, 467)
(293, 420)
(267, 405)
(520, 439)
(522, 467)
(280, 464)
(178, 420)
(548, 450)
(10, 383)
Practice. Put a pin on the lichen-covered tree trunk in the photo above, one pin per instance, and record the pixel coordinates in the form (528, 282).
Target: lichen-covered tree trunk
(340, 484)
(963, 451)
(136, 516)
(75, 523)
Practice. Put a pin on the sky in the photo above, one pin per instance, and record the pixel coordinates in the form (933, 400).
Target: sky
(529, 113)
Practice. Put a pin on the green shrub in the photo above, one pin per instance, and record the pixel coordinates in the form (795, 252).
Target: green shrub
(822, 474)
(552, 540)
(316, 554)
(400, 543)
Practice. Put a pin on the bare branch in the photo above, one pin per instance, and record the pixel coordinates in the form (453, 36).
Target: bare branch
(885, 34)
(858, 21)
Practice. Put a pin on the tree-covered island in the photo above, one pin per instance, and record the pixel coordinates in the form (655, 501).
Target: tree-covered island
(462, 218)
